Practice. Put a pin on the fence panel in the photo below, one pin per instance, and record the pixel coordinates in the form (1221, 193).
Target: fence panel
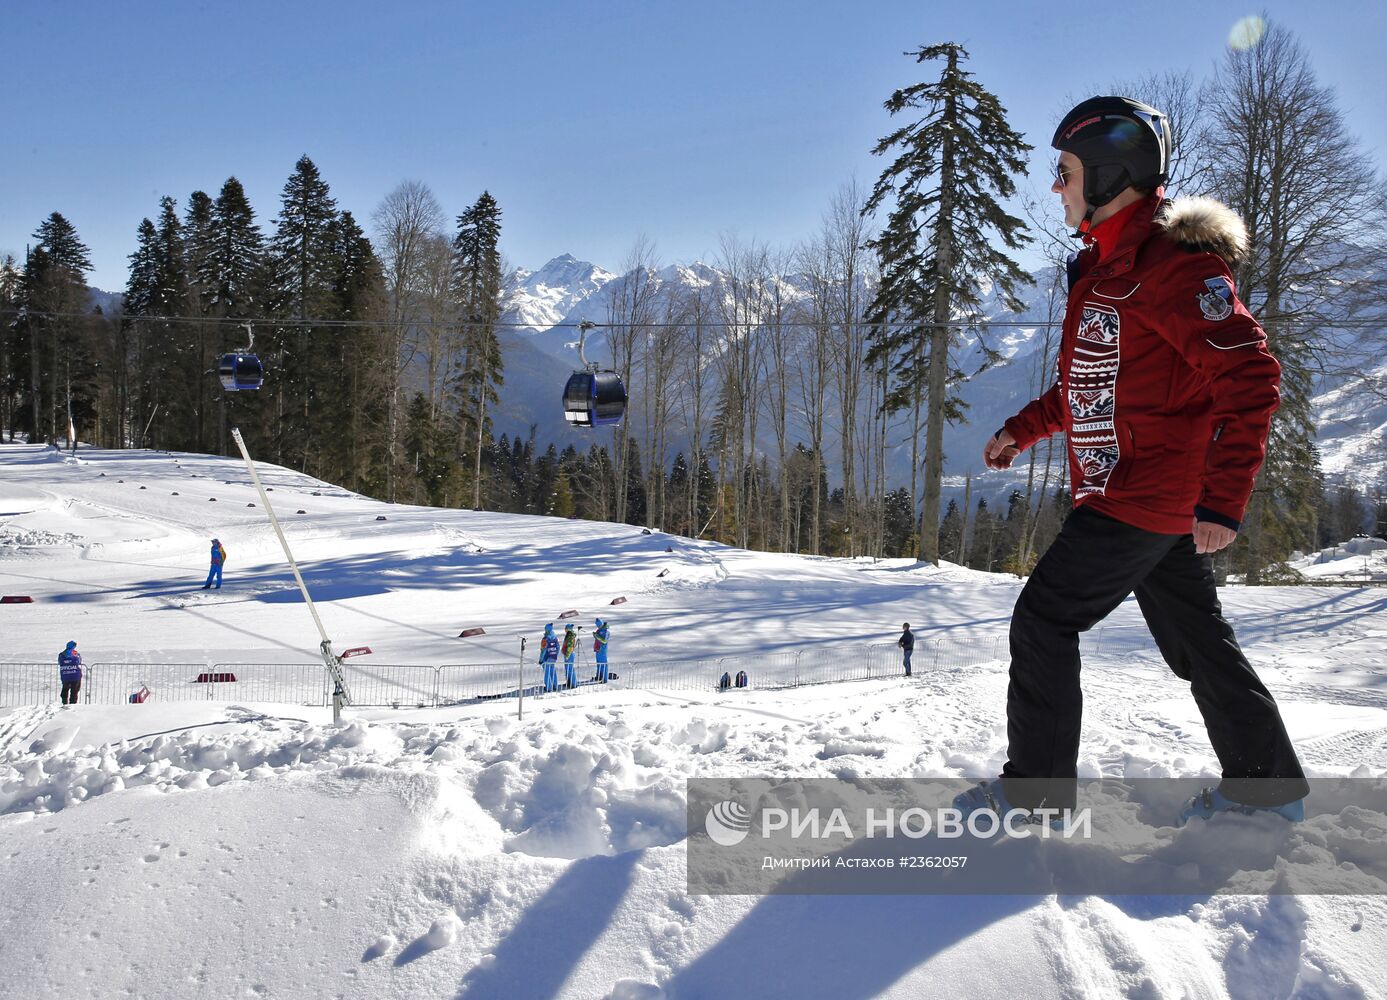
(460, 682)
(382, 684)
(885, 659)
(287, 683)
(29, 683)
(114, 683)
(388, 684)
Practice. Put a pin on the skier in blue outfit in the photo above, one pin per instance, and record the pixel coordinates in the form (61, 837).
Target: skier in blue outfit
(601, 639)
(549, 657)
(218, 557)
(70, 673)
(570, 650)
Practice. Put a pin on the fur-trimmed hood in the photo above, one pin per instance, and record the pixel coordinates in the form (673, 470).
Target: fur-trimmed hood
(1200, 223)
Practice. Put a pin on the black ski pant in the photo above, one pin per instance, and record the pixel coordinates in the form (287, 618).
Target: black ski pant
(1089, 570)
(69, 693)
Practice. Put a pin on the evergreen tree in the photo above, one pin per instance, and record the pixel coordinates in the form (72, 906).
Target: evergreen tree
(540, 498)
(54, 283)
(302, 250)
(11, 296)
(982, 552)
(236, 262)
(677, 486)
(238, 273)
(302, 275)
(170, 265)
(899, 521)
(1012, 537)
(141, 284)
(635, 484)
(477, 293)
(198, 242)
(351, 365)
(140, 290)
(173, 374)
(430, 453)
(198, 246)
(951, 531)
(937, 249)
(561, 499)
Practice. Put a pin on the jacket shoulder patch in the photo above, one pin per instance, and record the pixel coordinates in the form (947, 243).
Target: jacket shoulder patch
(1216, 301)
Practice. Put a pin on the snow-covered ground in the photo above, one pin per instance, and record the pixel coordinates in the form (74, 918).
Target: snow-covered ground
(1358, 560)
(240, 848)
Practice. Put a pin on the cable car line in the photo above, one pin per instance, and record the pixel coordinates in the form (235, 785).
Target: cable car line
(1360, 324)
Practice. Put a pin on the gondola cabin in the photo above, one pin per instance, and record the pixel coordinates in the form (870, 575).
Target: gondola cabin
(592, 399)
(240, 371)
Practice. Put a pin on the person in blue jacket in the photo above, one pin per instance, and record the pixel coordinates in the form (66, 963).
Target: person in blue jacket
(549, 658)
(601, 639)
(218, 557)
(570, 650)
(70, 673)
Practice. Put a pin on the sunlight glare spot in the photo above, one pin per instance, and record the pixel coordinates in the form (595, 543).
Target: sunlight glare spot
(1246, 33)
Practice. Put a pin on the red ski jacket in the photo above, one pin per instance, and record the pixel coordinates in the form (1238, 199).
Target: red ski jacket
(1165, 386)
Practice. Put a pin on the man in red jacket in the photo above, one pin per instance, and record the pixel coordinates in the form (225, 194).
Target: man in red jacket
(1165, 391)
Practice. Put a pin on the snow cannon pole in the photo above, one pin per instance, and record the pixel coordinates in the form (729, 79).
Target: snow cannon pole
(520, 684)
(333, 662)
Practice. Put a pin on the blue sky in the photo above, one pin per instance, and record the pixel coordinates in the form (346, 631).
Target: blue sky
(590, 123)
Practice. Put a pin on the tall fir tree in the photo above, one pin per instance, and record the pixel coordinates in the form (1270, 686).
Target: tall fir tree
(236, 265)
(302, 270)
(198, 244)
(198, 241)
(11, 296)
(477, 294)
(174, 375)
(238, 276)
(353, 362)
(954, 166)
(54, 284)
(140, 290)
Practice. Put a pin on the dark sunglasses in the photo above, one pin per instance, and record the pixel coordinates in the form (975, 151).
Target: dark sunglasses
(1063, 173)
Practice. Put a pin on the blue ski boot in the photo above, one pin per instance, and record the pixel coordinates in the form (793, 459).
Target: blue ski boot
(1211, 800)
(983, 795)
(991, 795)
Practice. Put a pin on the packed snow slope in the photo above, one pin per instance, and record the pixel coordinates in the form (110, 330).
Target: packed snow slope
(211, 849)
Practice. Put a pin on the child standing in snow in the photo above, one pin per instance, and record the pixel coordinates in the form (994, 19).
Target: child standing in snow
(70, 673)
(218, 557)
(549, 658)
(601, 639)
(570, 650)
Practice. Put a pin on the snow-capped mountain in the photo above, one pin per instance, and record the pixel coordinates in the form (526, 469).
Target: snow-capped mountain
(1351, 425)
(537, 300)
(548, 304)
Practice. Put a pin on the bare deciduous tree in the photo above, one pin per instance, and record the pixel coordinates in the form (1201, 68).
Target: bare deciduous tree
(405, 222)
(1284, 159)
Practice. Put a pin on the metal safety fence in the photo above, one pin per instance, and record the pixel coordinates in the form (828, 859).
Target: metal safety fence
(423, 686)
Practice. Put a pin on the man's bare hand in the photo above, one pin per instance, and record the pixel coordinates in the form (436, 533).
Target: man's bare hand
(1000, 451)
(1209, 537)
